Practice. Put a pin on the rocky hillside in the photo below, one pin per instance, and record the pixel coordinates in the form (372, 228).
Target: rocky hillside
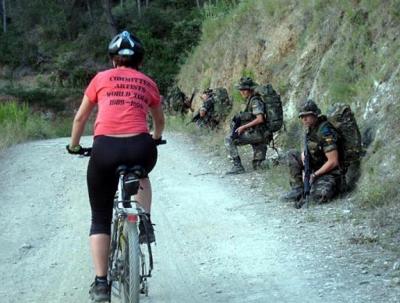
(330, 51)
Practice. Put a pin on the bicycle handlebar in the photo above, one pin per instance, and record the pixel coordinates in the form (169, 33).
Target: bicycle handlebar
(87, 151)
(160, 141)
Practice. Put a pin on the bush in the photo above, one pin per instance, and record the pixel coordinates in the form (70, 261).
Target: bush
(18, 123)
(37, 97)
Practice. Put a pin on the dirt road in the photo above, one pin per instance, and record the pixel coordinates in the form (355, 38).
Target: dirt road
(217, 241)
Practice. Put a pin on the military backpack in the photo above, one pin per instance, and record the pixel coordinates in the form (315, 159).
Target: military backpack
(222, 103)
(175, 99)
(273, 107)
(342, 118)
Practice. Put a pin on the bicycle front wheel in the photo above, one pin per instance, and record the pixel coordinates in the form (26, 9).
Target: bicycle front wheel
(130, 278)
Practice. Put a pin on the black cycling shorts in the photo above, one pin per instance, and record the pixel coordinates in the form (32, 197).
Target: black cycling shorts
(107, 154)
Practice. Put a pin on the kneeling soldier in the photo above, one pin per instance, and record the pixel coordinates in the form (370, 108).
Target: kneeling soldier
(249, 127)
(206, 110)
(322, 144)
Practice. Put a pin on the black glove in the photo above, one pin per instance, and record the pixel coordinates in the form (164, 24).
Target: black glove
(159, 141)
(77, 150)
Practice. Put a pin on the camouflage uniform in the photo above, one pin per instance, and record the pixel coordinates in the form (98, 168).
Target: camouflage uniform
(321, 139)
(208, 108)
(175, 102)
(257, 136)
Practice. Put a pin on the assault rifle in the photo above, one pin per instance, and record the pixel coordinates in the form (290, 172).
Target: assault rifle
(195, 118)
(236, 122)
(188, 102)
(307, 175)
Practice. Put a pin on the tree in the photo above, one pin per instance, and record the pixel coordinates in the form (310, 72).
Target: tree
(4, 15)
(139, 9)
(110, 17)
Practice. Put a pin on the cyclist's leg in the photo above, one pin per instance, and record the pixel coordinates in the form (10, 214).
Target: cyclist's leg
(142, 151)
(102, 184)
(144, 198)
(99, 246)
(144, 194)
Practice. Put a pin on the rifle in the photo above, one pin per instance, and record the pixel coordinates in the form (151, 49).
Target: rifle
(188, 104)
(307, 174)
(236, 121)
(195, 118)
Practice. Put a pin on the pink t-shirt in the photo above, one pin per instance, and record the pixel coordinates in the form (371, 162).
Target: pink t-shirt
(123, 96)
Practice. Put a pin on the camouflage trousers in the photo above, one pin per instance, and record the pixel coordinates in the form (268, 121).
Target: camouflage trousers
(254, 138)
(323, 189)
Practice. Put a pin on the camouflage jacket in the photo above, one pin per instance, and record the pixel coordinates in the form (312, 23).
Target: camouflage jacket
(208, 106)
(255, 106)
(321, 139)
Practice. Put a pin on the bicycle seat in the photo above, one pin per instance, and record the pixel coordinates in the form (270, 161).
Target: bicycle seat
(130, 179)
(137, 170)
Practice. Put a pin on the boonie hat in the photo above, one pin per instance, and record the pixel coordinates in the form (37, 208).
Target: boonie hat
(246, 83)
(309, 108)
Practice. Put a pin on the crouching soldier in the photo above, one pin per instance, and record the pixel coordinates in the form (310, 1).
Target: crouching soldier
(322, 144)
(204, 118)
(248, 127)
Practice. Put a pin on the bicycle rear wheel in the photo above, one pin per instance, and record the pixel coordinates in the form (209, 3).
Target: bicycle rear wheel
(130, 278)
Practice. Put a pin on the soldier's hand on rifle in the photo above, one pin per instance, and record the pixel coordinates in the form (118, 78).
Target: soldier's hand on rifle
(313, 177)
(240, 130)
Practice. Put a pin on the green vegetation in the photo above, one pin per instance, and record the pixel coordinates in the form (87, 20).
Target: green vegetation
(64, 43)
(18, 123)
(332, 51)
(68, 39)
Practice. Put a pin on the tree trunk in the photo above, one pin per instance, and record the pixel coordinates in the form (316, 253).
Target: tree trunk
(4, 14)
(139, 8)
(110, 17)
(147, 3)
(89, 8)
(198, 3)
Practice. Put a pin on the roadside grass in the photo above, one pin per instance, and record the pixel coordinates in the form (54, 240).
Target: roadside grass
(18, 123)
(40, 97)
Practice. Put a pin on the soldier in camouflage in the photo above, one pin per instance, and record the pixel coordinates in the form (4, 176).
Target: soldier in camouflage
(252, 129)
(177, 102)
(205, 117)
(322, 143)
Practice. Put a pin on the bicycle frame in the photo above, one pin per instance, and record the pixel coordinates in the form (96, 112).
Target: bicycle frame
(126, 210)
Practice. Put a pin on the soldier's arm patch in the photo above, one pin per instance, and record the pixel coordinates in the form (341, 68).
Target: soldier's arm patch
(329, 144)
(329, 138)
(257, 107)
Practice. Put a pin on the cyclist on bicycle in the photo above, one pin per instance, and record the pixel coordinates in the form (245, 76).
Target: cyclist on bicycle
(124, 96)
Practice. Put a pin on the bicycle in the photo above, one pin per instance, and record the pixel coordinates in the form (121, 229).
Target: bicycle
(130, 263)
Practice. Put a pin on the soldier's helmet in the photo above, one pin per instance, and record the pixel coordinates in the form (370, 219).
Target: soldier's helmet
(309, 108)
(246, 83)
(208, 91)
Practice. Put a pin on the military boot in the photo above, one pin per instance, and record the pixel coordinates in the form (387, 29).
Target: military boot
(293, 195)
(237, 167)
(259, 164)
